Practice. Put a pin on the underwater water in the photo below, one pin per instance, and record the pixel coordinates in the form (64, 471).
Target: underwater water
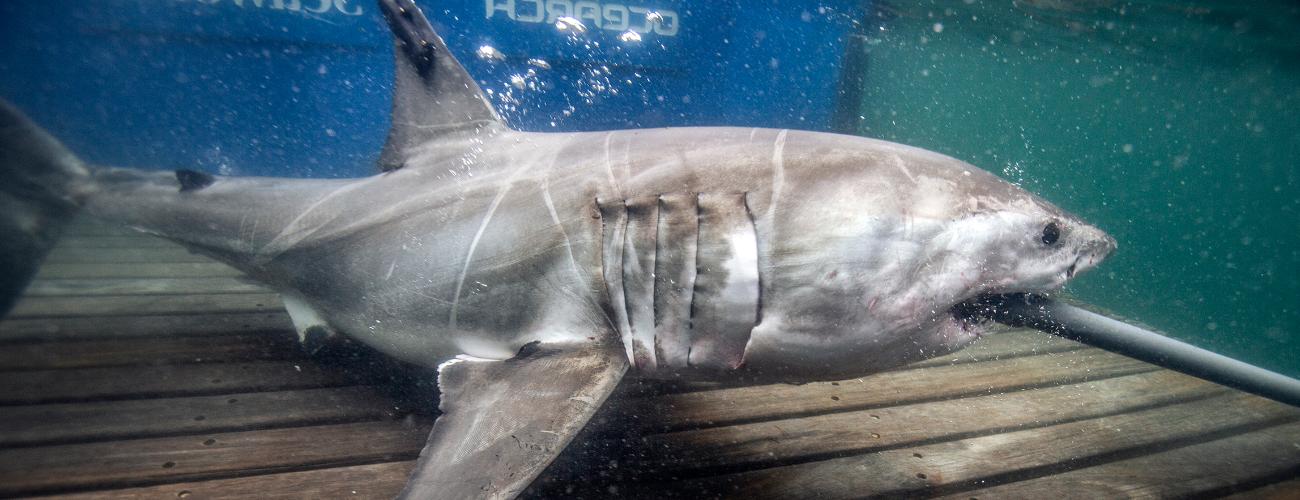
(139, 367)
(1171, 125)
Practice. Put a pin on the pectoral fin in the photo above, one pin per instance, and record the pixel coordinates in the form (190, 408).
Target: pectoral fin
(504, 421)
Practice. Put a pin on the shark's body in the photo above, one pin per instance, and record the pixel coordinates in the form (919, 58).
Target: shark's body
(484, 247)
(560, 260)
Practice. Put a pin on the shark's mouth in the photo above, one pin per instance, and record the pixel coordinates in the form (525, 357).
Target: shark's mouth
(973, 316)
(977, 313)
(970, 325)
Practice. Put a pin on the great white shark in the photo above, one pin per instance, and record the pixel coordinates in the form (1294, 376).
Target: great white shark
(536, 269)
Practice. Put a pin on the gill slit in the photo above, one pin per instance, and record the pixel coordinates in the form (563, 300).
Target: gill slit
(690, 322)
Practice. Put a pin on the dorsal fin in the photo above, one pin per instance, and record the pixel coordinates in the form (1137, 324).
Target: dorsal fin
(433, 95)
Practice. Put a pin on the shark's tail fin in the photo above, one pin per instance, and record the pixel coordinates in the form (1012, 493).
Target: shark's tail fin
(42, 185)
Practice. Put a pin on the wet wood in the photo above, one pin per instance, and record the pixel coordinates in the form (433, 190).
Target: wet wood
(63, 270)
(115, 241)
(1195, 469)
(372, 481)
(134, 305)
(141, 286)
(143, 325)
(149, 350)
(1284, 490)
(767, 402)
(122, 255)
(89, 226)
(89, 384)
(143, 461)
(115, 420)
(826, 436)
(955, 466)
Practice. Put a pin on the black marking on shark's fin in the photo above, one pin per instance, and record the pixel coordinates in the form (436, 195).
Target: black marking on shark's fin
(503, 422)
(433, 96)
(193, 180)
(42, 186)
(529, 349)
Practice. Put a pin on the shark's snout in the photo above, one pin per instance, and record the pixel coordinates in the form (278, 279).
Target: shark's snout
(1094, 247)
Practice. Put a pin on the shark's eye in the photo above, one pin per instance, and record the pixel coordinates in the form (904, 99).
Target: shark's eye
(1051, 233)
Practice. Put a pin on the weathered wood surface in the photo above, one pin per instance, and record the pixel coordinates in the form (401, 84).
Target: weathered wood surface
(187, 458)
(141, 286)
(929, 469)
(124, 255)
(157, 379)
(99, 327)
(808, 438)
(115, 241)
(378, 481)
(113, 420)
(89, 226)
(125, 382)
(133, 305)
(115, 352)
(63, 270)
(746, 404)
(1206, 468)
(1284, 490)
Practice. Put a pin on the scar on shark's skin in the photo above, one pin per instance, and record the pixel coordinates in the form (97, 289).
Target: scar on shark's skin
(295, 231)
(609, 166)
(568, 245)
(902, 167)
(508, 183)
(778, 170)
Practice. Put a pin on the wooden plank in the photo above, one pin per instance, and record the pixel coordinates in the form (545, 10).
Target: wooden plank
(1284, 490)
(772, 402)
(117, 352)
(115, 420)
(140, 255)
(136, 305)
(99, 228)
(141, 326)
(141, 286)
(115, 241)
(64, 270)
(59, 386)
(380, 481)
(826, 436)
(1014, 343)
(1204, 467)
(150, 461)
(952, 466)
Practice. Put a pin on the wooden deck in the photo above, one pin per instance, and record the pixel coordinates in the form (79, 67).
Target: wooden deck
(133, 369)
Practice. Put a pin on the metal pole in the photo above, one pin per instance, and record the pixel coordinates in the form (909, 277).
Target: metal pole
(1078, 324)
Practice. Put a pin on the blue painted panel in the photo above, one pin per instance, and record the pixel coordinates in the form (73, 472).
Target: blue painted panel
(301, 87)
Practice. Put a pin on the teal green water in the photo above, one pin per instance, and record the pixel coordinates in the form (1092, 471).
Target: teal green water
(1174, 126)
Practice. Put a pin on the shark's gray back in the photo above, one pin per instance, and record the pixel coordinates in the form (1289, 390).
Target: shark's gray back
(502, 239)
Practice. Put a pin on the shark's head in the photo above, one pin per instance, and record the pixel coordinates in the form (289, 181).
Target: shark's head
(1026, 245)
(1035, 248)
(906, 241)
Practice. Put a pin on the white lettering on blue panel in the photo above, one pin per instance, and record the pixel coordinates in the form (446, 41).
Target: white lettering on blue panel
(601, 15)
(344, 7)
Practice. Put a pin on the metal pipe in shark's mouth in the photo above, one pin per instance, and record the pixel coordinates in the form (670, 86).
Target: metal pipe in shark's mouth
(1081, 325)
